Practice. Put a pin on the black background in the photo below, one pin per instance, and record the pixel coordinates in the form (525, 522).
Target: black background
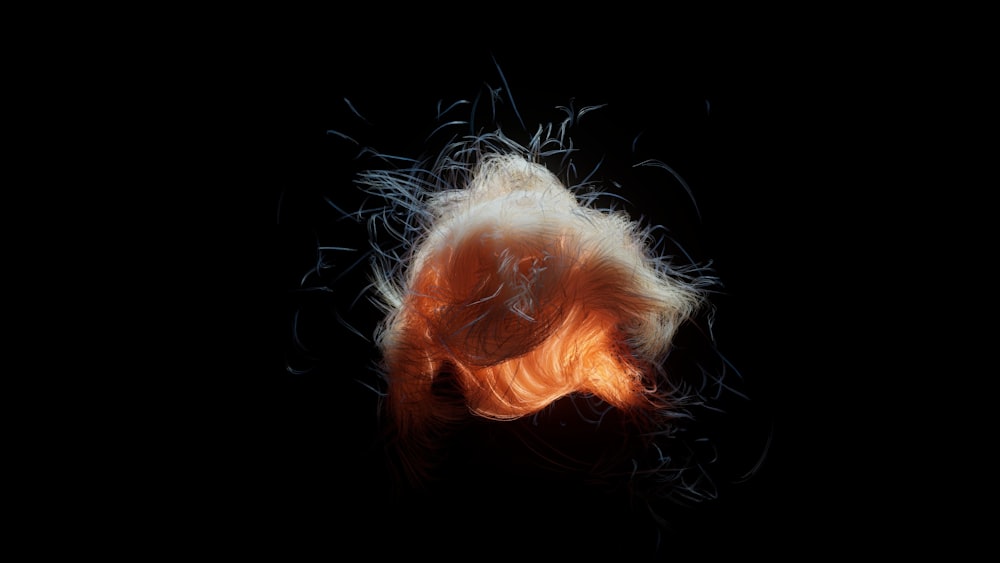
(749, 129)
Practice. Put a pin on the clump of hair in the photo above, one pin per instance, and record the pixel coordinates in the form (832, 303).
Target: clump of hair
(518, 291)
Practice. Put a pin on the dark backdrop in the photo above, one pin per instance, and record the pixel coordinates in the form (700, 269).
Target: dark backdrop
(746, 128)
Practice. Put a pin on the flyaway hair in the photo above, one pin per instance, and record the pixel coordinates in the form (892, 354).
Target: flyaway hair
(517, 290)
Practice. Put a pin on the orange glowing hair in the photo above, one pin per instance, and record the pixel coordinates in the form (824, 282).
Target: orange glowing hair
(518, 289)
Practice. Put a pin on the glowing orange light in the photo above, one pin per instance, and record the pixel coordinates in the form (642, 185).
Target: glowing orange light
(524, 295)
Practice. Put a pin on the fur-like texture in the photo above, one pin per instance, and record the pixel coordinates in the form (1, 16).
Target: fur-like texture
(519, 292)
(528, 297)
